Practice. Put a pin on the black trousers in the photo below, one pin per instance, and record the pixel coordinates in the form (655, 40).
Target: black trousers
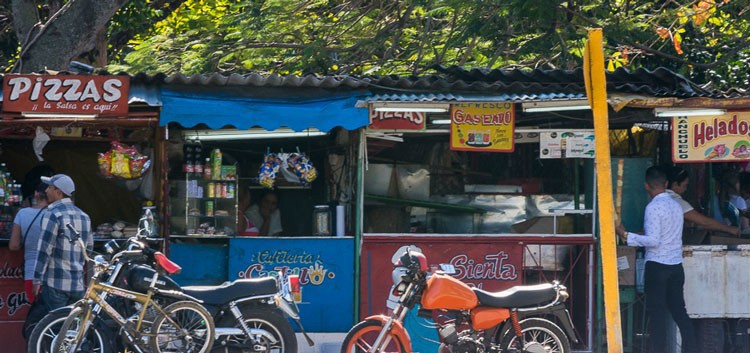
(664, 289)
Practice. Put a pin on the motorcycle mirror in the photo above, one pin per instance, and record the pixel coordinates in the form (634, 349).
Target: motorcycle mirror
(76, 234)
(448, 269)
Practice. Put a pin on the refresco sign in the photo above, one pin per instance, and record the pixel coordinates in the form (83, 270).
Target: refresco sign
(100, 95)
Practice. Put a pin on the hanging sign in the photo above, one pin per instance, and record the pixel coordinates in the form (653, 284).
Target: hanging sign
(566, 144)
(396, 120)
(480, 263)
(482, 127)
(722, 138)
(48, 94)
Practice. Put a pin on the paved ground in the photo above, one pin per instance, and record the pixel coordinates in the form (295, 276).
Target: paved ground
(324, 343)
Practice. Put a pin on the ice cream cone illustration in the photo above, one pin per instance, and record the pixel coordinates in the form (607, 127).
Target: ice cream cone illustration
(717, 152)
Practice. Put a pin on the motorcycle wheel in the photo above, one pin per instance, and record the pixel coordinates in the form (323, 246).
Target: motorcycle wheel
(363, 335)
(280, 339)
(540, 336)
(194, 330)
(98, 340)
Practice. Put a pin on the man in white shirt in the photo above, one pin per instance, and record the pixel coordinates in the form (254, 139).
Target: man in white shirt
(664, 275)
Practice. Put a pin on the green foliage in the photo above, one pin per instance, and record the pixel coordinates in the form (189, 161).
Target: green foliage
(707, 40)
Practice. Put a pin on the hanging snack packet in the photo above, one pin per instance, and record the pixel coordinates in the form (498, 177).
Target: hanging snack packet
(123, 162)
(268, 170)
(302, 167)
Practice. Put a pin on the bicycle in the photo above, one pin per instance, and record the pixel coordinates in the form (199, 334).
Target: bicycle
(183, 326)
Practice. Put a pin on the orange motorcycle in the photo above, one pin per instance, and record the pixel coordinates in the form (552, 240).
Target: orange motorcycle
(469, 320)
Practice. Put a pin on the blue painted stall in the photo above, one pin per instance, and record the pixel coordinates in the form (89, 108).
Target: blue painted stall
(325, 267)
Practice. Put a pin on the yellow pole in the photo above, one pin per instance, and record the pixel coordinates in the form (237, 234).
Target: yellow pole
(596, 90)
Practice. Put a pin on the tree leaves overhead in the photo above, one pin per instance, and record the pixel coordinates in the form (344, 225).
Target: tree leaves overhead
(705, 39)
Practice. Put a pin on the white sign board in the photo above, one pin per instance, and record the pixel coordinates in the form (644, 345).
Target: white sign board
(566, 144)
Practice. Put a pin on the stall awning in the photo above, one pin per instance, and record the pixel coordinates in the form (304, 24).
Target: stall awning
(219, 109)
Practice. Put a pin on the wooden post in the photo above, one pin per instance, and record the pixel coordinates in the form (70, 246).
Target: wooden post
(596, 91)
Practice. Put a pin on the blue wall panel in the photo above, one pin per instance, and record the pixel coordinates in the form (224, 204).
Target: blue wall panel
(202, 264)
(325, 267)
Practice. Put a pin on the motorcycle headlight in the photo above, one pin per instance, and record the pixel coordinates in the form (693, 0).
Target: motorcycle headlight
(397, 274)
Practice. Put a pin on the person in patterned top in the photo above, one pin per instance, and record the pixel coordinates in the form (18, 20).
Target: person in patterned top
(664, 276)
(59, 272)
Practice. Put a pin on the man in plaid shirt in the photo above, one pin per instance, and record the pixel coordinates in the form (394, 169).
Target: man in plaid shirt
(59, 271)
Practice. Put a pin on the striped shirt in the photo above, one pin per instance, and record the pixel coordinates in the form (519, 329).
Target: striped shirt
(60, 264)
(662, 226)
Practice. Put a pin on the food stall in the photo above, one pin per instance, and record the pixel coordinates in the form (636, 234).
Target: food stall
(459, 180)
(707, 143)
(298, 140)
(65, 123)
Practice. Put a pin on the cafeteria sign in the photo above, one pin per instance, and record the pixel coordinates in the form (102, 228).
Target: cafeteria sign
(99, 95)
(482, 127)
(722, 138)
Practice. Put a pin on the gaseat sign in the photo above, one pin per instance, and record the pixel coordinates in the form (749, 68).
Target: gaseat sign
(50, 94)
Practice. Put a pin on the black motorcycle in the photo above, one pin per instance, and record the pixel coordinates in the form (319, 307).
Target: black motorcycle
(250, 314)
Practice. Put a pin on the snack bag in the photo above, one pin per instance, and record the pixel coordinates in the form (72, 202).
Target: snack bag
(105, 164)
(123, 162)
(302, 167)
(268, 170)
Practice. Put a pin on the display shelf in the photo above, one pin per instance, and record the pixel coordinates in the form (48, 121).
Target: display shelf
(195, 198)
(425, 204)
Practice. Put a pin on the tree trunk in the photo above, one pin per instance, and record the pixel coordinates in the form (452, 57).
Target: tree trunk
(67, 34)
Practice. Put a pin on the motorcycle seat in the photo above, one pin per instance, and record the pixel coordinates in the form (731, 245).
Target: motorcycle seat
(228, 291)
(518, 296)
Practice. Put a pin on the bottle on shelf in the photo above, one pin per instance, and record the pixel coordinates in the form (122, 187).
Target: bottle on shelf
(188, 167)
(148, 221)
(207, 169)
(216, 164)
(198, 159)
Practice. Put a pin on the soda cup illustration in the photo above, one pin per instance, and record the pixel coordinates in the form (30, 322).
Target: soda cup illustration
(295, 288)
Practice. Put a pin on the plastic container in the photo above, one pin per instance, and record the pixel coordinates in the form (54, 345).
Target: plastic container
(322, 220)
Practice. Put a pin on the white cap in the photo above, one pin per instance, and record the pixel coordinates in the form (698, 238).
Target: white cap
(62, 182)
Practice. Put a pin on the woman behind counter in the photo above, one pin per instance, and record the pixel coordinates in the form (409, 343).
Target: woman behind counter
(26, 232)
(678, 183)
(264, 215)
(729, 207)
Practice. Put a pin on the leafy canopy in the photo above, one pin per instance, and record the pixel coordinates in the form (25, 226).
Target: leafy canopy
(704, 39)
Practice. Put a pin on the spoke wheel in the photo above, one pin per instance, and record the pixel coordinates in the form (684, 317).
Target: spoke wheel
(362, 336)
(68, 339)
(540, 336)
(186, 328)
(97, 340)
(277, 335)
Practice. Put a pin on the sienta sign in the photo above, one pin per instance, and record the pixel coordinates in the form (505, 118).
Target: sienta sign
(100, 95)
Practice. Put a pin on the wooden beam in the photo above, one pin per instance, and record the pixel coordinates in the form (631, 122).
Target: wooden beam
(596, 91)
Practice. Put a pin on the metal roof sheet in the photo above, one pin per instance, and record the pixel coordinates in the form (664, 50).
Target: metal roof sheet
(513, 84)
(449, 97)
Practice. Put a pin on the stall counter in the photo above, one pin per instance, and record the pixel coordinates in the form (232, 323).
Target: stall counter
(325, 266)
(13, 302)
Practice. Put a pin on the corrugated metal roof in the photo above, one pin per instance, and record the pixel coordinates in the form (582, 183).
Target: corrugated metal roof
(513, 84)
(449, 97)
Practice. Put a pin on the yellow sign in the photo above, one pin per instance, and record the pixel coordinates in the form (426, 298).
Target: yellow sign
(483, 127)
(722, 138)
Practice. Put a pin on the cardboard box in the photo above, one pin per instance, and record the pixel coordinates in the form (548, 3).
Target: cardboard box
(544, 225)
(626, 265)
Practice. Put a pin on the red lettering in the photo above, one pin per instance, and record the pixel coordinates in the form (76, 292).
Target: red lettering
(699, 138)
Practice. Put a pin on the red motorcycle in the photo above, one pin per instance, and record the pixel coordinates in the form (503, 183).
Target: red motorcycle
(469, 320)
